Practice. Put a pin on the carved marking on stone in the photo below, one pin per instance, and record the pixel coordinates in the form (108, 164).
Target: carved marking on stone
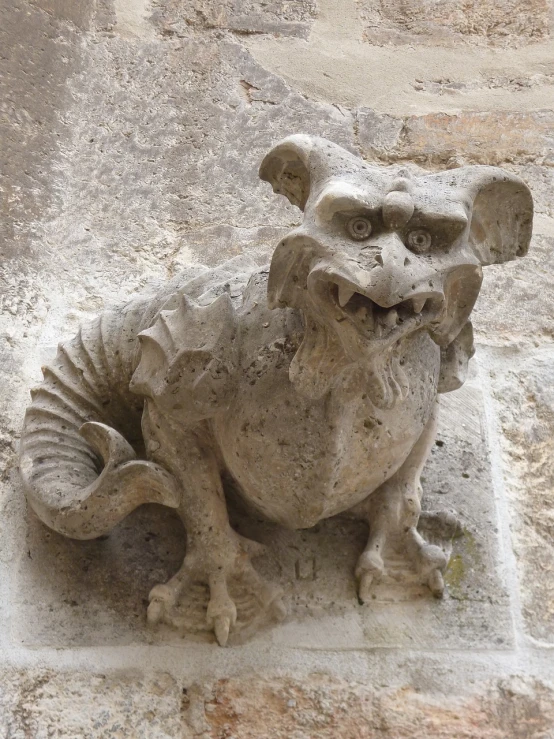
(305, 568)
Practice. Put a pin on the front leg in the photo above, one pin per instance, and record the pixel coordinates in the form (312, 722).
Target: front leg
(215, 552)
(393, 512)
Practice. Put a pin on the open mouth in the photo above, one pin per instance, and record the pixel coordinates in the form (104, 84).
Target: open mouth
(376, 321)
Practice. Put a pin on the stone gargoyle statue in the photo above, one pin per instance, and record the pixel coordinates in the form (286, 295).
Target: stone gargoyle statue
(312, 384)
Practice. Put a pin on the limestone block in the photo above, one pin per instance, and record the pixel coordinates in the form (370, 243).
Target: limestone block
(79, 704)
(378, 134)
(32, 89)
(478, 137)
(83, 705)
(278, 17)
(330, 708)
(515, 303)
(522, 384)
(483, 22)
(144, 186)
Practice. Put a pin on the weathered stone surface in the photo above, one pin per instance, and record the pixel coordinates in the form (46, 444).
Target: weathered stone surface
(440, 139)
(278, 17)
(83, 705)
(327, 708)
(504, 23)
(378, 135)
(481, 138)
(541, 181)
(515, 303)
(34, 68)
(523, 387)
(140, 181)
(458, 88)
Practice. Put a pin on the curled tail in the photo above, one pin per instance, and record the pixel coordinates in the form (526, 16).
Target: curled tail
(80, 474)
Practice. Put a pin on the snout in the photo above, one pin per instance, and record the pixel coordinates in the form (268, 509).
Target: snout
(339, 299)
(393, 294)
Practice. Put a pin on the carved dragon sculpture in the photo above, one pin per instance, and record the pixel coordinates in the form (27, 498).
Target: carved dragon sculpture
(312, 384)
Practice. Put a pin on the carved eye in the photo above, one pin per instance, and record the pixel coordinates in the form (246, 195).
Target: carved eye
(359, 228)
(419, 240)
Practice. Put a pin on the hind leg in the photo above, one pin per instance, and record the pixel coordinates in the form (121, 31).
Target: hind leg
(216, 554)
(393, 512)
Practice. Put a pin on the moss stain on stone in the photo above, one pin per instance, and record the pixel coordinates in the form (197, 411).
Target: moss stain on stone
(455, 574)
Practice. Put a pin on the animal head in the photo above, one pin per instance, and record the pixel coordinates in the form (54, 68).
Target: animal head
(382, 253)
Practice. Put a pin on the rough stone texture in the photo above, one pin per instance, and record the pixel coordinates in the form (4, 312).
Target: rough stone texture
(157, 188)
(80, 705)
(42, 704)
(281, 17)
(35, 66)
(504, 23)
(518, 301)
(524, 400)
(440, 139)
(328, 708)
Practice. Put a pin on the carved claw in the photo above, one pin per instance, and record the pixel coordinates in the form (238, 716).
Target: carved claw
(435, 583)
(155, 612)
(364, 587)
(162, 597)
(278, 608)
(370, 565)
(222, 626)
(221, 615)
(432, 562)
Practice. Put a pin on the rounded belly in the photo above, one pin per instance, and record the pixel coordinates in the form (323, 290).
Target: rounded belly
(299, 460)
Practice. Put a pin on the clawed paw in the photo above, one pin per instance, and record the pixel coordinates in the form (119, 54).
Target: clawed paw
(370, 566)
(238, 595)
(428, 560)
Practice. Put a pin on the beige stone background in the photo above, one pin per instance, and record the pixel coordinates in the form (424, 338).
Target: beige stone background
(131, 132)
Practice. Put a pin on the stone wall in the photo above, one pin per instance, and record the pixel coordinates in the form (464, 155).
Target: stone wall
(131, 136)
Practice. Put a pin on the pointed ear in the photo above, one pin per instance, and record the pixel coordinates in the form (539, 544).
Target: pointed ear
(502, 218)
(286, 167)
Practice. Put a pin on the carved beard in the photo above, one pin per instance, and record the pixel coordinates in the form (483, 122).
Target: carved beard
(321, 362)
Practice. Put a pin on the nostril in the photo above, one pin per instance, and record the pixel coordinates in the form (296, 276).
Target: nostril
(379, 259)
(407, 262)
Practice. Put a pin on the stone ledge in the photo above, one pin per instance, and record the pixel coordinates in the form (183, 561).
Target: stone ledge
(78, 705)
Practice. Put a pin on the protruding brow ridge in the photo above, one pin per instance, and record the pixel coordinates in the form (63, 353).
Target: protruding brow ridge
(342, 197)
(452, 214)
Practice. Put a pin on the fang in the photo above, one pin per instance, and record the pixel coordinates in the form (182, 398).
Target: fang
(391, 319)
(345, 293)
(418, 304)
